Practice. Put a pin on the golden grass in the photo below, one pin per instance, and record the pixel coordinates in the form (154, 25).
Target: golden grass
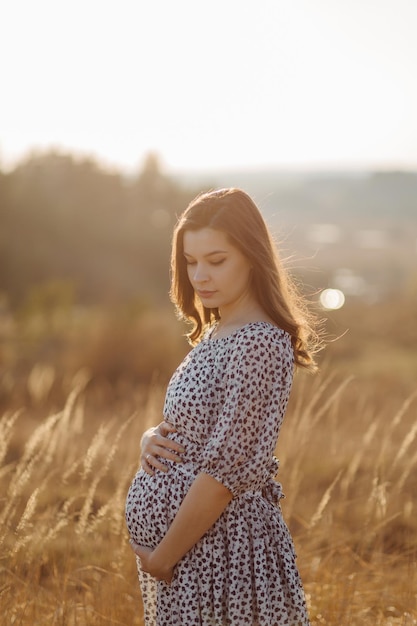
(348, 468)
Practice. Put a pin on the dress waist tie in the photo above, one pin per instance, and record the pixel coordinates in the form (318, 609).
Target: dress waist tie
(272, 491)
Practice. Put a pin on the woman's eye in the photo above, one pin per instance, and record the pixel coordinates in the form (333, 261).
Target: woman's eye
(217, 262)
(189, 262)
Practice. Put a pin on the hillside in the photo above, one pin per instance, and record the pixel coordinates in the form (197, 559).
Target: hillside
(356, 231)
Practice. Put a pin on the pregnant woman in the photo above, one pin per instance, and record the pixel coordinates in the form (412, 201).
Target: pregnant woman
(205, 521)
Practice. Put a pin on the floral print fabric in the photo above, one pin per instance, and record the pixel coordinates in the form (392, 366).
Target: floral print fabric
(227, 401)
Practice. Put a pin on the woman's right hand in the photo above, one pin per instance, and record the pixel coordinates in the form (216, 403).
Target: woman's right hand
(156, 445)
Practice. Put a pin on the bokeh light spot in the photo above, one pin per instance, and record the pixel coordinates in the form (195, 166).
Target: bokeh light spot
(332, 299)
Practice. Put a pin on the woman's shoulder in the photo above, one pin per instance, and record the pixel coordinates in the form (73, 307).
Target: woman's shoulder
(261, 346)
(260, 328)
(257, 334)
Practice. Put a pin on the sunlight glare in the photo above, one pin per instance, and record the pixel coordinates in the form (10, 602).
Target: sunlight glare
(145, 98)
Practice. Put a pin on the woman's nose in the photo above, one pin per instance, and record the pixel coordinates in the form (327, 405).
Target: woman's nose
(200, 274)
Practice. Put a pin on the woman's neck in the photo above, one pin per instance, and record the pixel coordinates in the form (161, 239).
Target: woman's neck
(231, 320)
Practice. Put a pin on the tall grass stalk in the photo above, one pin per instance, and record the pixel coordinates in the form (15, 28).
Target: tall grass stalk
(349, 471)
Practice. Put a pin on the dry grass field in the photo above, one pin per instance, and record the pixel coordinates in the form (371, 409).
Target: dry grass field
(348, 467)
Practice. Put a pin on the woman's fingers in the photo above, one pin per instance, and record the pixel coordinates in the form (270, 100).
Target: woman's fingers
(151, 461)
(165, 447)
(165, 428)
(147, 466)
(156, 446)
(144, 553)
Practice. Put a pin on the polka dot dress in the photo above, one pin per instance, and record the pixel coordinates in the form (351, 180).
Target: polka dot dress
(227, 401)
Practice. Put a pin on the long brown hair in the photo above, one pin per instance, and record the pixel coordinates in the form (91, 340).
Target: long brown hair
(233, 212)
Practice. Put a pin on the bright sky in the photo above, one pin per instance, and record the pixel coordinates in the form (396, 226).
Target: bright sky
(224, 83)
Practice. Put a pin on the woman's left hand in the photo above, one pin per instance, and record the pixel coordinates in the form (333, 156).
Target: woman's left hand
(147, 564)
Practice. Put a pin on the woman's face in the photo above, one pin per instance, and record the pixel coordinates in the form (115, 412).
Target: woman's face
(218, 271)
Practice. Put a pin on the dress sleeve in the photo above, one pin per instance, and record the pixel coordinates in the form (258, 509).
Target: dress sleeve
(257, 383)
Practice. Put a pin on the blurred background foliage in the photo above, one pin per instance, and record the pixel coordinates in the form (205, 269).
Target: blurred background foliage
(69, 220)
(84, 269)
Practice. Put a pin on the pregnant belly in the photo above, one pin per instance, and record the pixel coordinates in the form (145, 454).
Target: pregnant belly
(153, 501)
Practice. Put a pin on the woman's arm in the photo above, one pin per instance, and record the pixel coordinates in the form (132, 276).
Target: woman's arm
(201, 508)
(155, 444)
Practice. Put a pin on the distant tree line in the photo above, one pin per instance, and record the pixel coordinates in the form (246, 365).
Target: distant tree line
(67, 224)
(67, 220)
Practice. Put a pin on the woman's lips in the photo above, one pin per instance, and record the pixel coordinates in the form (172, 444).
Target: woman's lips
(205, 294)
